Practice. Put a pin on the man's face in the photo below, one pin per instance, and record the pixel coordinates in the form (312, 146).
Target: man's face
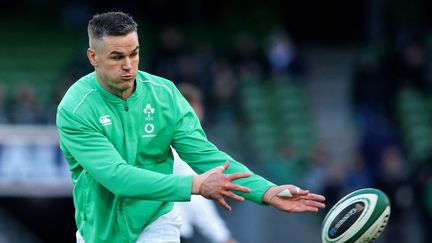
(115, 60)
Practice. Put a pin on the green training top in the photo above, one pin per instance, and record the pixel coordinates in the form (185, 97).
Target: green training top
(120, 158)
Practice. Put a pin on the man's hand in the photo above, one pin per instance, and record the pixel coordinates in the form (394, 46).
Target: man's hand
(290, 198)
(214, 185)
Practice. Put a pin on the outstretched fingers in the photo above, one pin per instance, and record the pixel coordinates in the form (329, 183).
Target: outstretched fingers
(235, 176)
(234, 187)
(310, 209)
(217, 185)
(313, 196)
(233, 196)
(312, 203)
(224, 204)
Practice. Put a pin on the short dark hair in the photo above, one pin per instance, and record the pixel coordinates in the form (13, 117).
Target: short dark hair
(111, 24)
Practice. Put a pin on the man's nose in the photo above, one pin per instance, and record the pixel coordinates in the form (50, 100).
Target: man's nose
(127, 64)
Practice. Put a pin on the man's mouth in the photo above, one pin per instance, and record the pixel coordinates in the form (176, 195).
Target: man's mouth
(126, 77)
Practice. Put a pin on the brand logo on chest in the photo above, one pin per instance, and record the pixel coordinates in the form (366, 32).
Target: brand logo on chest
(149, 111)
(149, 127)
(105, 120)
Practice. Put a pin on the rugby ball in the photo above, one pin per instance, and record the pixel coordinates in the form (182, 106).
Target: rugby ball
(360, 216)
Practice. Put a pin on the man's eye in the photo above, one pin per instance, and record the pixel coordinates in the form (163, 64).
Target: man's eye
(117, 57)
(134, 54)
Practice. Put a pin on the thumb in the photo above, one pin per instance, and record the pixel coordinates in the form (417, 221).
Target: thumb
(291, 192)
(221, 168)
(224, 166)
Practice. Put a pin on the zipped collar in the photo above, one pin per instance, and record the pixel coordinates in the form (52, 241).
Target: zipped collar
(112, 98)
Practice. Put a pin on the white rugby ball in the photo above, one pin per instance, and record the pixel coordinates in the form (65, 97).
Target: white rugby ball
(360, 216)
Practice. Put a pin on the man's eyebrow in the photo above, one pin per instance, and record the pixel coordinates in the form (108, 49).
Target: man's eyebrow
(121, 53)
(116, 53)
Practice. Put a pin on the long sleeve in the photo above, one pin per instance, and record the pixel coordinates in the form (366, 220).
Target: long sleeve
(94, 152)
(193, 147)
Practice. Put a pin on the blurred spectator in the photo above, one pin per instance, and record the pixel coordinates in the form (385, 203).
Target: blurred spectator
(187, 69)
(58, 92)
(75, 69)
(283, 166)
(333, 189)
(204, 55)
(247, 58)
(283, 56)
(195, 68)
(393, 180)
(427, 205)
(376, 134)
(166, 57)
(199, 212)
(409, 67)
(357, 175)
(371, 88)
(223, 110)
(224, 91)
(195, 98)
(3, 112)
(423, 192)
(316, 174)
(25, 107)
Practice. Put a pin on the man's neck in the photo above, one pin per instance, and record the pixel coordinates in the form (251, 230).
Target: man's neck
(125, 94)
(122, 94)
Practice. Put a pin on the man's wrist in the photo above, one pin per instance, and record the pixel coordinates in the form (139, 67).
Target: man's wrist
(269, 194)
(196, 185)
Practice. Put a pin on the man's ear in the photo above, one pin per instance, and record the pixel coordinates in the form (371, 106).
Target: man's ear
(91, 54)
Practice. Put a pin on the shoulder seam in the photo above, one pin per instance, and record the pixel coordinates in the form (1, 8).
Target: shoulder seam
(82, 100)
(156, 84)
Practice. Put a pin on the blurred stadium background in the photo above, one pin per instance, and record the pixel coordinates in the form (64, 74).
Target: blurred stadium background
(330, 95)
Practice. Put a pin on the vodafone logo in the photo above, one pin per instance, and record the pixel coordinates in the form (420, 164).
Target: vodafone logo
(149, 128)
